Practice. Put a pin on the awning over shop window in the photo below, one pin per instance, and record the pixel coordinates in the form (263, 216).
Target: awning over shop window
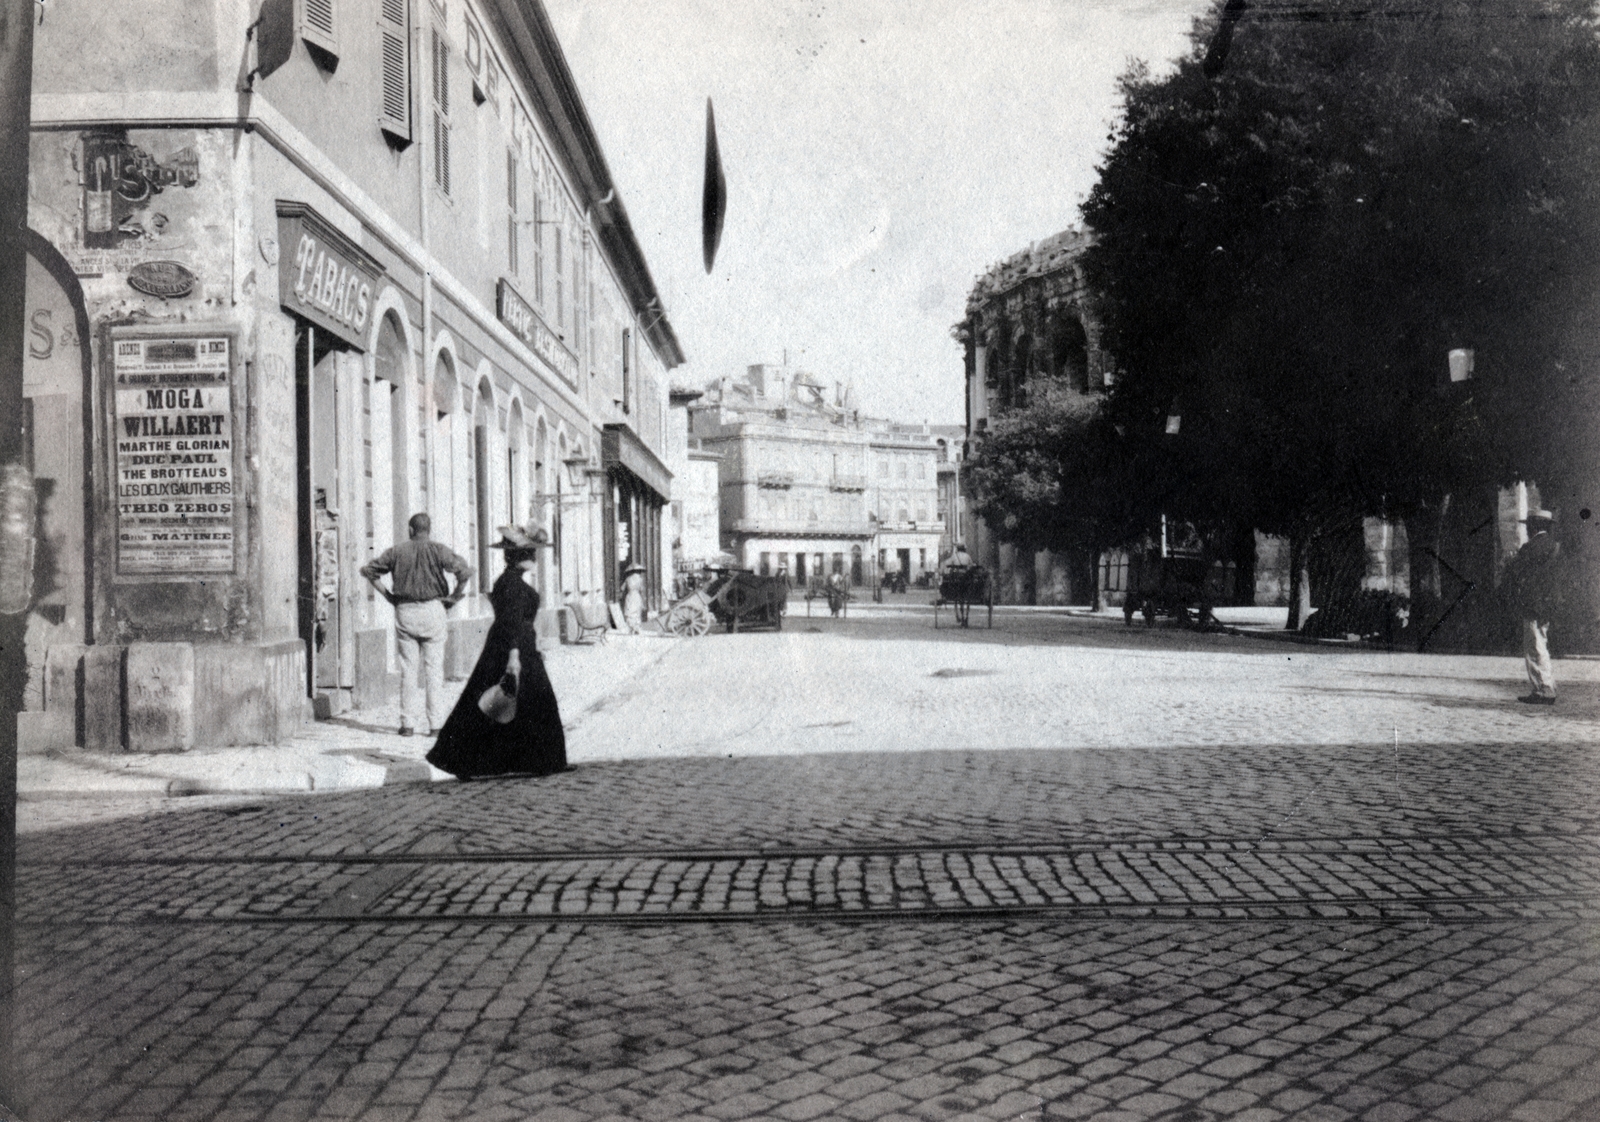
(619, 445)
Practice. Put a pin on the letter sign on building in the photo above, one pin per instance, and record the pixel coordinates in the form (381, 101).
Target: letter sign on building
(323, 276)
(525, 324)
(173, 434)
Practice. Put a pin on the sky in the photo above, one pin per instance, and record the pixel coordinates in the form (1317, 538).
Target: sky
(880, 155)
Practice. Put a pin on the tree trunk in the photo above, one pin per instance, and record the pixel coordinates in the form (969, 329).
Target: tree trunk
(1299, 577)
(1244, 567)
(1424, 536)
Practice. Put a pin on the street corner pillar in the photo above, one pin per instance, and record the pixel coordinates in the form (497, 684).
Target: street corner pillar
(160, 697)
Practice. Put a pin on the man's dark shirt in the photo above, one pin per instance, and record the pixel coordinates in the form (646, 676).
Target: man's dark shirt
(419, 566)
(1531, 583)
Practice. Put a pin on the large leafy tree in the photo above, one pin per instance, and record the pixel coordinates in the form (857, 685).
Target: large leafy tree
(1288, 244)
(1054, 474)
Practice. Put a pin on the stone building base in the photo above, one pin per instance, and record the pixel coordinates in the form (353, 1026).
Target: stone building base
(168, 697)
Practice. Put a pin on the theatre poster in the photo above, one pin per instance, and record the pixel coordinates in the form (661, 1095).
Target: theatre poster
(173, 432)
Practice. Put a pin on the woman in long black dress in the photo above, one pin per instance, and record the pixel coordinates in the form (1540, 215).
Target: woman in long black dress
(532, 742)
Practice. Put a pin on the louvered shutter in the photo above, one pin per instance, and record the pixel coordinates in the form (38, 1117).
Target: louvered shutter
(441, 152)
(441, 73)
(441, 112)
(394, 95)
(317, 26)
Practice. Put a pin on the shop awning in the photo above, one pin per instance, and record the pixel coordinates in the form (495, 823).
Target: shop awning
(619, 445)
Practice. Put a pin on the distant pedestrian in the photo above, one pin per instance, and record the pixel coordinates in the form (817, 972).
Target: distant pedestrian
(517, 729)
(1531, 588)
(633, 597)
(836, 593)
(420, 597)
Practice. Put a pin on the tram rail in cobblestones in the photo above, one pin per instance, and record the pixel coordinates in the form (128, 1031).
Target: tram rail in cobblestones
(1279, 842)
(1457, 879)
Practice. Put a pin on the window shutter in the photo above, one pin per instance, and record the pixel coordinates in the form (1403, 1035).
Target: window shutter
(441, 73)
(441, 152)
(394, 100)
(317, 27)
(441, 112)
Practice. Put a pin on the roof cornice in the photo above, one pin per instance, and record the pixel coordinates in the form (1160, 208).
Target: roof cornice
(536, 58)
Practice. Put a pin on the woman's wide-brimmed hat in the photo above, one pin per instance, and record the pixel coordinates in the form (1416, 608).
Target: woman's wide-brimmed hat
(1540, 516)
(634, 568)
(520, 537)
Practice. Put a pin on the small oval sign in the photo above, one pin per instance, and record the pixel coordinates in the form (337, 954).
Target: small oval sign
(165, 279)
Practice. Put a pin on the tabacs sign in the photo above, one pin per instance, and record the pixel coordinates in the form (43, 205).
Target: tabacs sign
(526, 324)
(323, 276)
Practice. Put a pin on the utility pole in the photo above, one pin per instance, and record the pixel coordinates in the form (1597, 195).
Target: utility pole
(16, 484)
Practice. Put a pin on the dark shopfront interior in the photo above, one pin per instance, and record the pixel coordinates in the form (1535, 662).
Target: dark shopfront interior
(632, 514)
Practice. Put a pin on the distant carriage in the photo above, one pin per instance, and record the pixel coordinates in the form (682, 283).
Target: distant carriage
(961, 587)
(1170, 577)
(735, 598)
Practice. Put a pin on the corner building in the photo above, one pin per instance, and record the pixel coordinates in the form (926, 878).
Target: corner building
(306, 267)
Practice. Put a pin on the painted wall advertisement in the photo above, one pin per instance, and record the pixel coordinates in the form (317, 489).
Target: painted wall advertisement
(174, 439)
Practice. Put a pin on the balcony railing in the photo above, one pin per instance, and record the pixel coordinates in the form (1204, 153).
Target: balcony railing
(776, 479)
(845, 482)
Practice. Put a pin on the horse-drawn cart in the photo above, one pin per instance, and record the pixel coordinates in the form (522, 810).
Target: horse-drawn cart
(1169, 583)
(961, 587)
(735, 598)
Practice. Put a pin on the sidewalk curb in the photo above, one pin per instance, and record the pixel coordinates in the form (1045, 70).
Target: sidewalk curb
(323, 756)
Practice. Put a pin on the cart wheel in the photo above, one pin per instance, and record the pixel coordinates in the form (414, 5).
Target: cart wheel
(699, 624)
(676, 623)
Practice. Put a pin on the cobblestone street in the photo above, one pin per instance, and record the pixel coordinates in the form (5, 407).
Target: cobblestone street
(1058, 870)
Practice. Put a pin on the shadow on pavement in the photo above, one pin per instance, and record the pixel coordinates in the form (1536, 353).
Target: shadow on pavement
(1012, 628)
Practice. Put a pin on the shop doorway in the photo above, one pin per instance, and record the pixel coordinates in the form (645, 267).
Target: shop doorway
(326, 613)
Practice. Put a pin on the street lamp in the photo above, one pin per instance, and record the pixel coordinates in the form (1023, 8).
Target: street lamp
(576, 469)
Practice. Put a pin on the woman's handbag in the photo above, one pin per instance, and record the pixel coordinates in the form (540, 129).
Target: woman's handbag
(499, 701)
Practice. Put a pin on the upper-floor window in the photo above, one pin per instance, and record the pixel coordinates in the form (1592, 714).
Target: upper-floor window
(513, 219)
(561, 288)
(394, 58)
(538, 249)
(627, 380)
(594, 357)
(441, 112)
(578, 260)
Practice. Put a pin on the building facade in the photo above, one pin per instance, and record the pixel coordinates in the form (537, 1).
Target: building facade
(810, 487)
(904, 498)
(1031, 317)
(696, 536)
(333, 263)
